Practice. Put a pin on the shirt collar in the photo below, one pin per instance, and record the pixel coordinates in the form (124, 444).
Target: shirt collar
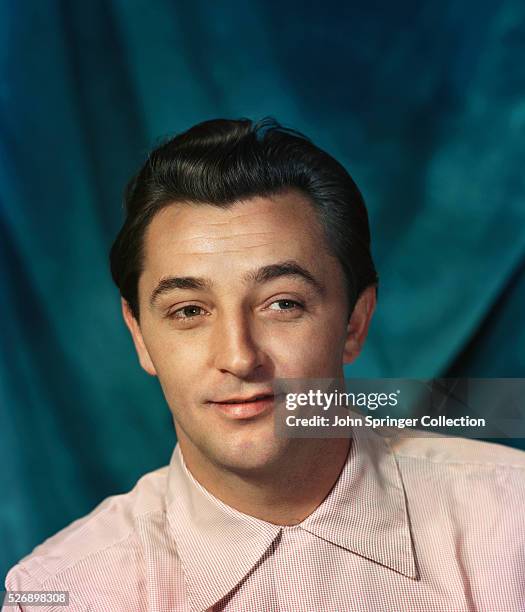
(365, 513)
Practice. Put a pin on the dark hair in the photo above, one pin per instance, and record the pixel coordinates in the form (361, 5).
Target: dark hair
(222, 161)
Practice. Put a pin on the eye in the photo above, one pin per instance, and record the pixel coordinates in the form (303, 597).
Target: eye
(282, 305)
(186, 312)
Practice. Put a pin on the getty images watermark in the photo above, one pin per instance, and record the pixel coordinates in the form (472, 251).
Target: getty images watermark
(468, 407)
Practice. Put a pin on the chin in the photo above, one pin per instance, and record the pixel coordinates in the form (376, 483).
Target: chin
(252, 456)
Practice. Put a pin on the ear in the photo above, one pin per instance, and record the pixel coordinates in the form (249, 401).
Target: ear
(359, 323)
(138, 340)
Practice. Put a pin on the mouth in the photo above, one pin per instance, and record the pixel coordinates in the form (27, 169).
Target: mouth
(245, 408)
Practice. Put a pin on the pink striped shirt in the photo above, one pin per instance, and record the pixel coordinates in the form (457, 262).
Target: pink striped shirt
(412, 524)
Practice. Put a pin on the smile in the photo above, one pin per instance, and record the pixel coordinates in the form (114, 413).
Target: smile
(238, 408)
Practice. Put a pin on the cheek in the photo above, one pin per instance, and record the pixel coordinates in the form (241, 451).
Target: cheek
(178, 362)
(315, 350)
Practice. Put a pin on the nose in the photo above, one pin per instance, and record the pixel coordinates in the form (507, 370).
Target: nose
(236, 350)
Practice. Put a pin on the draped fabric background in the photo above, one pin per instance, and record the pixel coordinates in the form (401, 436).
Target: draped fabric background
(424, 102)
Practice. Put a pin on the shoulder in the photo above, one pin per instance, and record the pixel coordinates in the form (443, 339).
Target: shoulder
(461, 474)
(439, 450)
(107, 536)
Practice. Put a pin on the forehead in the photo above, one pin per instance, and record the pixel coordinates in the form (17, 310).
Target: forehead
(210, 239)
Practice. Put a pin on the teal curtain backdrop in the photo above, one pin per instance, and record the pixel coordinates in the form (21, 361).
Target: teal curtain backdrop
(422, 101)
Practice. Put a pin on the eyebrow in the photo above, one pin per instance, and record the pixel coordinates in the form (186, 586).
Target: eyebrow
(289, 268)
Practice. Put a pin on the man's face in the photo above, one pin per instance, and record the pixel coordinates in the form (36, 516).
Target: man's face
(229, 300)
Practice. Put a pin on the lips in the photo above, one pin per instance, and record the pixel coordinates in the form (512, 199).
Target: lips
(241, 400)
(244, 407)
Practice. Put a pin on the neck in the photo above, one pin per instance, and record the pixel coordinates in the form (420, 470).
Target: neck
(284, 495)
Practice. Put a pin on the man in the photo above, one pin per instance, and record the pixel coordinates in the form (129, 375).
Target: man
(245, 258)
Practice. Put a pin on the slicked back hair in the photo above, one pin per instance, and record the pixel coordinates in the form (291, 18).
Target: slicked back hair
(222, 161)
